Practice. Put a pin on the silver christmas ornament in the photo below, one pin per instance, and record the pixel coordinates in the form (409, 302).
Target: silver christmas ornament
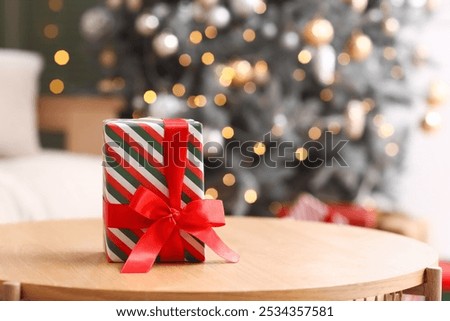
(290, 40)
(161, 10)
(219, 17)
(165, 44)
(146, 24)
(245, 8)
(166, 106)
(355, 119)
(213, 141)
(324, 64)
(269, 30)
(97, 23)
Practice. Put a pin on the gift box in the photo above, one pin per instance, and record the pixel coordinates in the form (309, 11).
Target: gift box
(153, 194)
(308, 208)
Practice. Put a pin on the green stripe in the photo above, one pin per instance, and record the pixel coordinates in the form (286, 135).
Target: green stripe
(130, 234)
(113, 247)
(185, 198)
(133, 153)
(147, 137)
(122, 172)
(194, 178)
(197, 152)
(111, 190)
(190, 258)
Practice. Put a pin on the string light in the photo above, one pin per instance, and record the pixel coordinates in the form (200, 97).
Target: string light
(196, 37)
(56, 86)
(334, 127)
(249, 35)
(211, 32)
(326, 94)
(260, 8)
(250, 87)
(178, 90)
(55, 5)
(226, 76)
(200, 101)
(185, 60)
(228, 132)
(211, 193)
(250, 196)
(299, 74)
(150, 96)
(229, 179)
(191, 102)
(397, 72)
(259, 148)
(389, 53)
(108, 58)
(304, 56)
(61, 57)
(391, 149)
(275, 207)
(51, 31)
(208, 58)
(301, 154)
(277, 130)
(386, 130)
(314, 133)
(344, 59)
(220, 99)
(378, 120)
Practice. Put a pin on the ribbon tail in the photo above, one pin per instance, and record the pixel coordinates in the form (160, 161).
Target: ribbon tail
(210, 238)
(146, 251)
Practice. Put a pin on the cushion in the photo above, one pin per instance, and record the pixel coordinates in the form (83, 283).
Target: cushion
(19, 77)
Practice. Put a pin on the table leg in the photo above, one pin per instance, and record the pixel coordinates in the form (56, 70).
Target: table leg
(11, 291)
(433, 285)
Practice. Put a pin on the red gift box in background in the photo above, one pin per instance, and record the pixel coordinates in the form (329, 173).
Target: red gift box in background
(309, 208)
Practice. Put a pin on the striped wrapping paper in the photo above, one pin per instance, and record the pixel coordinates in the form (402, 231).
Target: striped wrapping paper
(133, 156)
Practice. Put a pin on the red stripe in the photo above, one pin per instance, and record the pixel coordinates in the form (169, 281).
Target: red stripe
(133, 172)
(135, 145)
(114, 183)
(122, 246)
(188, 247)
(149, 130)
(190, 193)
(194, 169)
(194, 141)
(138, 233)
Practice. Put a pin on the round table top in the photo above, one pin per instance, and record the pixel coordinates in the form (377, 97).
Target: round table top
(280, 260)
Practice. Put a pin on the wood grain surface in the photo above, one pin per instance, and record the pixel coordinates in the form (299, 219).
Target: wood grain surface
(280, 260)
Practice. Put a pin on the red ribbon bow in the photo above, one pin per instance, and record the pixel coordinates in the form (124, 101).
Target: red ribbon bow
(166, 220)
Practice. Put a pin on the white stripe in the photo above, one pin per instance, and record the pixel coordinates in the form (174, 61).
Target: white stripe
(123, 182)
(156, 127)
(136, 166)
(141, 141)
(111, 199)
(198, 136)
(192, 241)
(125, 239)
(197, 190)
(195, 161)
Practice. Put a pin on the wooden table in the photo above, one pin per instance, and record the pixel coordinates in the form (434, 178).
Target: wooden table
(280, 260)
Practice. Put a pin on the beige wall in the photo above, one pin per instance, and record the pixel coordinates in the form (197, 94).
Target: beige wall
(427, 184)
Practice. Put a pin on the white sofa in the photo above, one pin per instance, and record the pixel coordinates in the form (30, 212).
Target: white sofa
(37, 184)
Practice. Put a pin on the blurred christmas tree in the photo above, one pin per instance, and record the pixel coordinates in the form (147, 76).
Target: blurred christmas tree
(264, 72)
